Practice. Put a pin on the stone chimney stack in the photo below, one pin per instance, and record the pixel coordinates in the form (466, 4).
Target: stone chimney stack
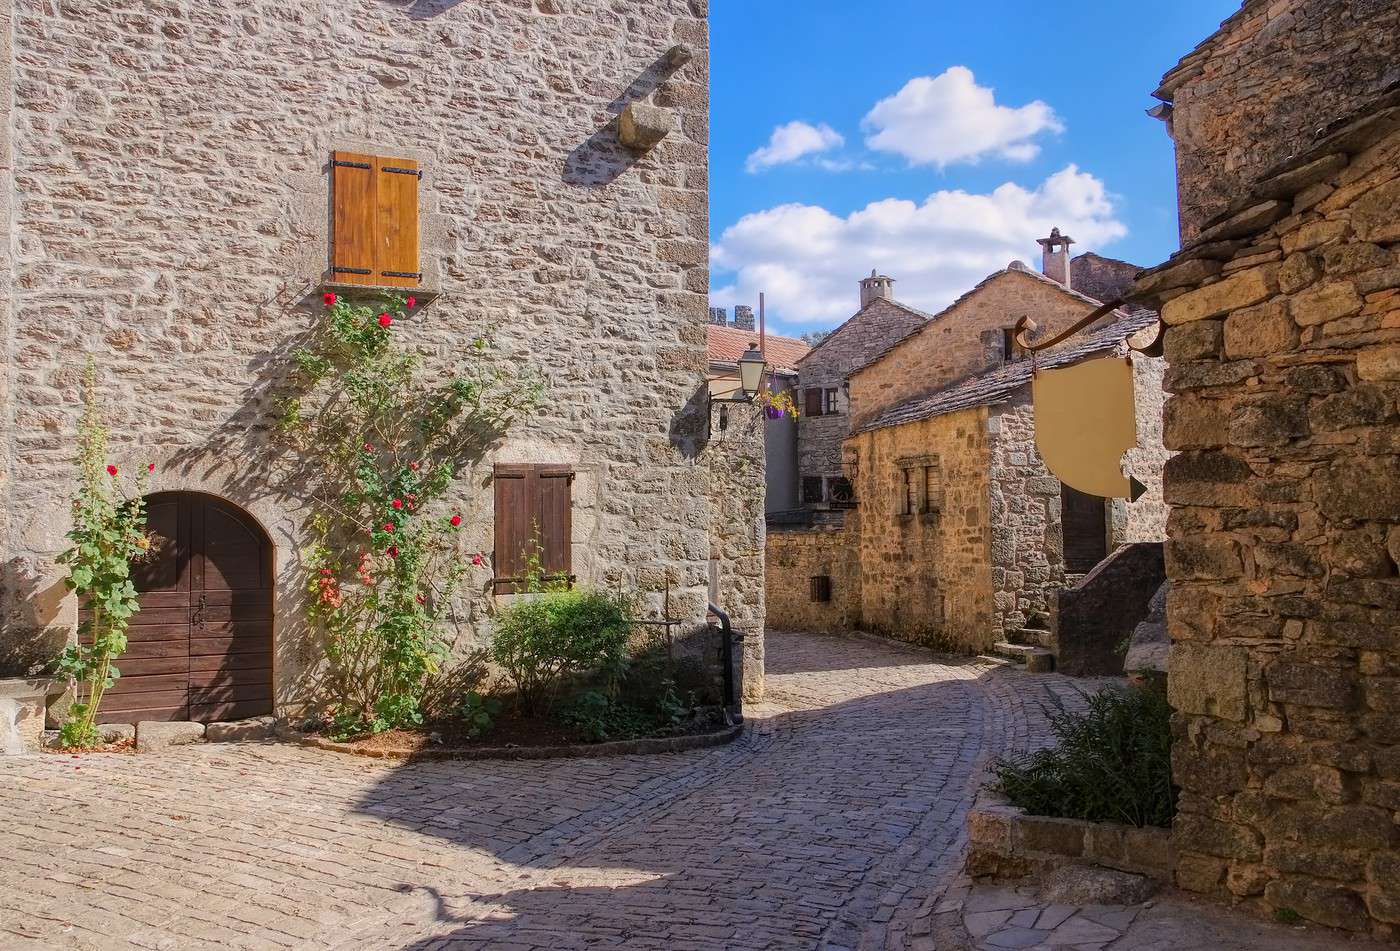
(1055, 258)
(743, 317)
(719, 316)
(876, 287)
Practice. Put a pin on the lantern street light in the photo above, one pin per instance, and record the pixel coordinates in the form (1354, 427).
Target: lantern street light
(751, 367)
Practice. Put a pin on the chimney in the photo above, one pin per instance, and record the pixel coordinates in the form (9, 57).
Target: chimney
(876, 287)
(1055, 259)
(743, 317)
(719, 316)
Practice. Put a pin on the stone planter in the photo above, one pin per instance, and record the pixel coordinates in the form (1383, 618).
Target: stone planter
(23, 701)
(1005, 842)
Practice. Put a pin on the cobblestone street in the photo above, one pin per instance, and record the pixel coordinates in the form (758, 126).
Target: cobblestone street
(835, 821)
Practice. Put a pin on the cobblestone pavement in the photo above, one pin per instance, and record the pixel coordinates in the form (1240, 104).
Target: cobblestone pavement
(836, 821)
(1000, 917)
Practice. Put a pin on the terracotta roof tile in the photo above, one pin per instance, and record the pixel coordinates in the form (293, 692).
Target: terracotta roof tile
(727, 344)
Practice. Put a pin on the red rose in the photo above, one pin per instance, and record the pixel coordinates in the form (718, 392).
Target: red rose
(329, 298)
(392, 551)
(398, 503)
(111, 470)
(478, 560)
(413, 466)
(385, 320)
(412, 302)
(151, 467)
(455, 520)
(389, 527)
(418, 598)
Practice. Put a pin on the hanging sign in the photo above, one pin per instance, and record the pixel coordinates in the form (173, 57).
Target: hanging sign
(1085, 419)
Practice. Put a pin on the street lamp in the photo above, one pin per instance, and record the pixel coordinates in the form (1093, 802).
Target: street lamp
(751, 367)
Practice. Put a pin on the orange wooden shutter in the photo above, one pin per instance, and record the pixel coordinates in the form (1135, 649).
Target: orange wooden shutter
(353, 218)
(556, 521)
(397, 213)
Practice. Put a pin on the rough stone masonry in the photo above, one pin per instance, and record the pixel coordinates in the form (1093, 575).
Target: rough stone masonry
(165, 197)
(1283, 341)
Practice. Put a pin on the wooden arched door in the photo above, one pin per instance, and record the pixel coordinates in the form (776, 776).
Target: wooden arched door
(201, 646)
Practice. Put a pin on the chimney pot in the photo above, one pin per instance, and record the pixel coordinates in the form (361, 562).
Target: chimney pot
(876, 287)
(743, 317)
(1055, 256)
(719, 316)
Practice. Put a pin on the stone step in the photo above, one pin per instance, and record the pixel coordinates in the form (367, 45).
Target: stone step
(1036, 659)
(1031, 637)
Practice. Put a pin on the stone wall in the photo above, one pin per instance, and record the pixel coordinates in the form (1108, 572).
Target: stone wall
(962, 340)
(1256, 92)
(927, 578)
(170, 214)
(797, 554)
(870, 331)
(1284, 347)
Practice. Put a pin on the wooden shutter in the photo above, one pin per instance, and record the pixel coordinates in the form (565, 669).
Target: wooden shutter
(397, 197)
(534, 511)
(556, 521)
(513, 528)
(374, 220)
(814, 402)
(353, 213)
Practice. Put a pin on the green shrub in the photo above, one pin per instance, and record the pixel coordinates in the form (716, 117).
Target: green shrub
(542, 640)
(1112, 763)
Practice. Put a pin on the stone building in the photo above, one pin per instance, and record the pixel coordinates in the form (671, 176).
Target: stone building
(1283, 339)
(168, 177)
(961, 536)
(822, 379)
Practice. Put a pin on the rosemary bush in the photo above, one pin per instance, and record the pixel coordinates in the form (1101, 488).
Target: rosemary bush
(1112, 763)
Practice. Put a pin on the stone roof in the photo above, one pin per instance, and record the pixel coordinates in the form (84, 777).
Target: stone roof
(1268, 201)
(727, 345)
(1000, 384)
(1015, 267)
(878, 301)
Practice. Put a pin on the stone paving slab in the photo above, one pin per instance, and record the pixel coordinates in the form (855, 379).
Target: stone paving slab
(836, 821)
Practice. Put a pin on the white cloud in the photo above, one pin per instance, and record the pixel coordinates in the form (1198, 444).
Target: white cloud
(794, 141)
(809, 260)
(948, 118)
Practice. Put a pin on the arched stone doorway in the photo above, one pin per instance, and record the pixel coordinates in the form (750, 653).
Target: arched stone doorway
(201, 646)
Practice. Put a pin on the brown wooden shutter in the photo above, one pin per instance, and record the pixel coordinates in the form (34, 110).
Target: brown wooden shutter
(514, 487)
(814, 401)
(556, 521)
(396, 262)
(353, 214)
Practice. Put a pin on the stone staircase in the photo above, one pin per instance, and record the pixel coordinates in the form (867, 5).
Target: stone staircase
(1031, 646)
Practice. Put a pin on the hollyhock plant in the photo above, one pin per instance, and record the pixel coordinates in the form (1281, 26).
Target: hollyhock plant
(385, 446)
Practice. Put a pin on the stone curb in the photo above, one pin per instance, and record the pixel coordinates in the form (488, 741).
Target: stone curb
(1006, 842)
(646, 745)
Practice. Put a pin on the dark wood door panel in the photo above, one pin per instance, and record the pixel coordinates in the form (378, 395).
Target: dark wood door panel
(201, 646)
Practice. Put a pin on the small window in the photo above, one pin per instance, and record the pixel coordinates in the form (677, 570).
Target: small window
(812, 490)
(840, 491)
(534, 520)
(374, 220)
(829, 404)
(1009, 350)
(821, 588)
(812, 402)
(933, 488)
(904, 500)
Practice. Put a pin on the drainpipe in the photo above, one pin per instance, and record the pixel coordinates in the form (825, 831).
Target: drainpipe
(726, 655)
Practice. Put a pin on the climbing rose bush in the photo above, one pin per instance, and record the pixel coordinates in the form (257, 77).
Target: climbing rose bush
(384, 448)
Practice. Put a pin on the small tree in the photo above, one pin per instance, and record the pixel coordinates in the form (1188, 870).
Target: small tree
(108, 534)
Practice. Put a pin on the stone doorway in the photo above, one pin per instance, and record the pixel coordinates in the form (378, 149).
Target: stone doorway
(201, 646)
(1084, 526)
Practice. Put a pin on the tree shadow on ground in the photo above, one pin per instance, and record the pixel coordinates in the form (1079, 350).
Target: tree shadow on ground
(792, 836)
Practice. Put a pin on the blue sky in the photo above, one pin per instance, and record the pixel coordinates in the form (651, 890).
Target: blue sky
(936, 141)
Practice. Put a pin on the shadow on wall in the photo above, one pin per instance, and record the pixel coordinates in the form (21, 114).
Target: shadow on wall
(689, 429)
(615, 851)
(601, 159)
(31, 632)
(423, 9)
